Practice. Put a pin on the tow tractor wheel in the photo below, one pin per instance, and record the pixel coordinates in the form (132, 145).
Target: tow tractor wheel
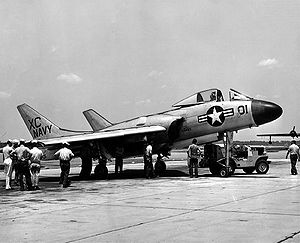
(101, 172)
(249, 170)
(262, 167)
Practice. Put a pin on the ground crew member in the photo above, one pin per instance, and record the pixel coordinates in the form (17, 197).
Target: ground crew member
(148, 166)
(159, 165)
(23, 156)
(15, 144)
(35, 164)
(7, 152)
(65, 155)
(119, 159)
(293, 150)
(193, 156)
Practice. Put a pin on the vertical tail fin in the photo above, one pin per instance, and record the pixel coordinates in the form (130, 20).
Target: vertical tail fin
(39, 126)
(96, 121)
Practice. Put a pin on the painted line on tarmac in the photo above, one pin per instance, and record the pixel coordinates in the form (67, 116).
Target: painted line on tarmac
(128, 227)
(291, 236)
(178, 214)
(249, 197)
(251, 212)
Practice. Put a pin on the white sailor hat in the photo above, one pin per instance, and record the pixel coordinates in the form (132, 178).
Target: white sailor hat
(16, 141)
(34, 141)
(65, 143)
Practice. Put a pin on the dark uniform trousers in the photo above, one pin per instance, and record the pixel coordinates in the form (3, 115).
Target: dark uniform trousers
(193, 165)
(294, 158)
(118, 163)
(148, 167)
(23, 170)
(64, 174)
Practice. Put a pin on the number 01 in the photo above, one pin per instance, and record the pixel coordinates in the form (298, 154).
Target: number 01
(243, 109)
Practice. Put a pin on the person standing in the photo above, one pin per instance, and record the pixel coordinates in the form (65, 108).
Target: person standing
(160, 165)
(7, 153)
(293, 150)
(23, 156)
(65, 155)
(193, 156)
(119, 159)
(35, 165)
(14, 157)
(148, 166)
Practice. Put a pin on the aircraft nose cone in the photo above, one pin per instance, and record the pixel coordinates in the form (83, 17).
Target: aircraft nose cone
(264, 111)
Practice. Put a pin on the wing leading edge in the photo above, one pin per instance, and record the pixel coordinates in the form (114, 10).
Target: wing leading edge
(275, 135)
(103, 135)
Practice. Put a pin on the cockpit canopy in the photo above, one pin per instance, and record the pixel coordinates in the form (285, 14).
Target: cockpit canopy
(208, 95)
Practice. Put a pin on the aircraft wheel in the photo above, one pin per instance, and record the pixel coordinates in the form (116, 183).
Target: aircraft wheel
(86, 168)
(101, 172)
(249, 170)
(262, 167)
(223, 172)
(160, 168)
(231, 164)
(213, 170)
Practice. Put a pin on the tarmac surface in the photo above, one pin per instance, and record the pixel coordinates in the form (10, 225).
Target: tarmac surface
(173, 208)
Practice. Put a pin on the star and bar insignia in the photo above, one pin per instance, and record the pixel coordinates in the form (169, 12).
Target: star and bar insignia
(215, 116)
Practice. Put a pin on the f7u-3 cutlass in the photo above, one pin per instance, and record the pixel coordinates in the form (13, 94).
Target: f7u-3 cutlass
(204, 115)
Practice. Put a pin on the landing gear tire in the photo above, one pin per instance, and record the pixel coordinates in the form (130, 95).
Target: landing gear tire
(160, 168)
(213, 170)
(231, 164)
(101, 172)
(86, 168)
(262, 167)
(223, 172)
(249, 170)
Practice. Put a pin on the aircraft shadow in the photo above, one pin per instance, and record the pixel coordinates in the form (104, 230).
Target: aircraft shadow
(126, 174)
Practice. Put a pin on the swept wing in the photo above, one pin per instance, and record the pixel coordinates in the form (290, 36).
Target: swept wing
(103, 135)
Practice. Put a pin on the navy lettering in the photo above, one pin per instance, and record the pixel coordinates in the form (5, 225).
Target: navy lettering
(44, 129)
(40, 132)
(35, 134)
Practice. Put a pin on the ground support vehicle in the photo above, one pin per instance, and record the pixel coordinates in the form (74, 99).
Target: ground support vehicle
(250, 158)
(247, 158)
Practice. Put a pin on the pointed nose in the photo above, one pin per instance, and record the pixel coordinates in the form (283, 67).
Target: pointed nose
(264, 111)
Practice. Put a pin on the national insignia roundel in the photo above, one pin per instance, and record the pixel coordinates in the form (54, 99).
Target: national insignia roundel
(215, 116)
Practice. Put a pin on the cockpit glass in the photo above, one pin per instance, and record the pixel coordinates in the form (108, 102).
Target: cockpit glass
(211, 95)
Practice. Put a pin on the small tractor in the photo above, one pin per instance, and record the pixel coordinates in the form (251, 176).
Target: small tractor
(247, 158)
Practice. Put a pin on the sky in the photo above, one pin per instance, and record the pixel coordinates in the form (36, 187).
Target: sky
(131, 58)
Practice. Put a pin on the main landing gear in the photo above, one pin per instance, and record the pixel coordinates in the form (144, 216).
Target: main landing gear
(217, 163)
(87, 162)
(86, 167)
(87, 154)
(101, 171)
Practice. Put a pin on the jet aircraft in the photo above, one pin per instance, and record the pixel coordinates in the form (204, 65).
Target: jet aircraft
(291, 134)
(204, 115)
